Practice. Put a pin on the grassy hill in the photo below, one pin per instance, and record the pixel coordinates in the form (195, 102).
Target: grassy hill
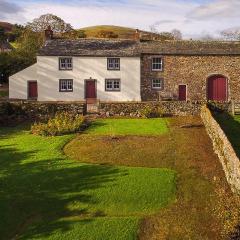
(6, 26)
(122, 32)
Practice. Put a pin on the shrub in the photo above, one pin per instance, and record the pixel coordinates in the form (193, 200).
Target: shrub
(152, 112)
(61, 123)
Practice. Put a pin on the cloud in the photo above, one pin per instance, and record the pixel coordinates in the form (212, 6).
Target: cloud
(7, 9)
(192, 17)
(218, 9)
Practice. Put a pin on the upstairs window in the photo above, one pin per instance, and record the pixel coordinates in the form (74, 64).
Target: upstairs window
(65, 63)
(113, 63)
(157, 84)
(65, 85)
(112, 85)
(157, 64)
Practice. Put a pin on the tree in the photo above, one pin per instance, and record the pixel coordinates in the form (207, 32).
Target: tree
(176, 34)
(74, 34)
(16, 32)
(2, 35)
(106, 34)
(44, 21)
(231, 34)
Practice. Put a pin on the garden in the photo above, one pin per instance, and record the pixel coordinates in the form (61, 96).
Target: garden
(116, 179)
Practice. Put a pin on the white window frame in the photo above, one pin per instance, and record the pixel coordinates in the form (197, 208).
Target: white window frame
(113, 64)
(68, 83)
(160, 83)
(65, 63)
(156, 64)
(110, 85)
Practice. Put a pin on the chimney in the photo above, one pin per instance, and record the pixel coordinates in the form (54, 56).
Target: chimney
(48, 33)
(137, 35)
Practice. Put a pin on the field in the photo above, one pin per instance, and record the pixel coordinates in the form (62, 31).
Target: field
(121, 179)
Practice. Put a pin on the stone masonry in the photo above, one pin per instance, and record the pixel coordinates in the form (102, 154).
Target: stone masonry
(192, 70)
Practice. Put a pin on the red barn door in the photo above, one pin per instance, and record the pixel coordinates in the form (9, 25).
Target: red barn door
(217, 88)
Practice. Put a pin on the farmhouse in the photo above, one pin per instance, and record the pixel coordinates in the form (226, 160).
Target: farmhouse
(131, 70)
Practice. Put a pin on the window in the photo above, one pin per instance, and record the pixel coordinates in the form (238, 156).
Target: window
(65, 85)
(65, 63)
(112, 85)
(157, 84)
(157, 64)
(113, 63)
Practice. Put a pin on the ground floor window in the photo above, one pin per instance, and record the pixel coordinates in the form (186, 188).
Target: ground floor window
(112, 85)
(65, 85)
(157, 84)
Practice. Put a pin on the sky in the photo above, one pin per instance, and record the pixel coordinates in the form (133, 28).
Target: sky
(193, 18)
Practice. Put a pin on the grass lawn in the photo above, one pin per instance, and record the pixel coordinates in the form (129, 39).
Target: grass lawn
(45, 195)
(231, 126)
(128, 127)
(205, 207)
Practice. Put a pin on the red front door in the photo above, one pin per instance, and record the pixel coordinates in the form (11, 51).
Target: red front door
(91, 89)
(32, 90)
(182, 92)
(217, 88)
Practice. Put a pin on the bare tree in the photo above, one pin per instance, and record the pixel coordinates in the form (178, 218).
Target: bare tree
(176, 34)
(44, 21)
(231, 34)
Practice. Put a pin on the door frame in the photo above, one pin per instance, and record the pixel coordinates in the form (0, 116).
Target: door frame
(31, 98)
(85, 87)
(227, 85)
(183, 84)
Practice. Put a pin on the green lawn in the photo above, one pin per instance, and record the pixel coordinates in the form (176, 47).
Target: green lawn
(128, 127)
(44, 195)
(231, 126)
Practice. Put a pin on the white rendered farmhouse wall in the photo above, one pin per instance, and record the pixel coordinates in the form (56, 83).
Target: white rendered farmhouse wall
(18, 83)
(47, 74)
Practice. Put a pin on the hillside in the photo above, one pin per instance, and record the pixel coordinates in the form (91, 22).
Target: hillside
(122, 32)
(6, 26)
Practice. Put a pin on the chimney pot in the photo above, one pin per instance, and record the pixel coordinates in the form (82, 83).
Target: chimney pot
(137, 35)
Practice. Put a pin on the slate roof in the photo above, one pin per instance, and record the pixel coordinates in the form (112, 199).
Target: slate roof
(191, 47)
(127, 48)
(89, 47)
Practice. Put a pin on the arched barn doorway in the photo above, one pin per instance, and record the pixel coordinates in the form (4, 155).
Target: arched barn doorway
(217, 89)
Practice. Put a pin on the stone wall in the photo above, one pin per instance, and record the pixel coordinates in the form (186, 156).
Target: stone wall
(224, 150)
(192, 71)
(15, 111)
(134, 109)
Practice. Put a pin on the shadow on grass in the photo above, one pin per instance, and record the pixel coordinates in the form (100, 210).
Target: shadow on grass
(36, 192)
(232, 129)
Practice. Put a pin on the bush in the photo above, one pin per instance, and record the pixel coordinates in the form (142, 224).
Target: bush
(152, 112)
(62, 123)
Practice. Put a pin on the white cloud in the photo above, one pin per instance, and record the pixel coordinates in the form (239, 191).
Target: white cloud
(190, 17)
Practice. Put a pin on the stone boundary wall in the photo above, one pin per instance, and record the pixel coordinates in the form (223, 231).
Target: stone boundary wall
(224, 149)
(134, 109)
(32, 110)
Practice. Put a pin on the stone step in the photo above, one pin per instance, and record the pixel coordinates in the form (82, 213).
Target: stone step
(92, 108)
